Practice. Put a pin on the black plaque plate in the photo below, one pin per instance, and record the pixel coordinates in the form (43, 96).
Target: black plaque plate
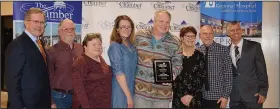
(162, 70)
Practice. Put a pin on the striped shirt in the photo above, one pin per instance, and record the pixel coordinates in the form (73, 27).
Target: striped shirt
(148, 49)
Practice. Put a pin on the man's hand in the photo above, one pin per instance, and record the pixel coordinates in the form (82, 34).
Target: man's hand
(223, 101)
(261, 98)
(53, 106)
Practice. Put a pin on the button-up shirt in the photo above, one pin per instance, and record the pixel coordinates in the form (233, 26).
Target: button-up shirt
(60, 60)
(219, 72)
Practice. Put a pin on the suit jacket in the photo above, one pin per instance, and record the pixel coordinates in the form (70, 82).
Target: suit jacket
(252, 75)
(27, 75)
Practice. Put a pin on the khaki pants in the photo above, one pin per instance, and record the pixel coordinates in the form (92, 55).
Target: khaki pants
(142, 103)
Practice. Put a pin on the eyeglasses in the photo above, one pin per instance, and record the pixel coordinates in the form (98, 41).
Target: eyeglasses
(38, 22)
(124, 28)
(190, 36)
(68, 29)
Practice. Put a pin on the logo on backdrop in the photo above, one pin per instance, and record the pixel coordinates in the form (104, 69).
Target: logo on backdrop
(144, 25)
(192, 7)
(174, 27)
(134, 5)
(56, 12)
(95, 3)
(168, 5)
(210, 4)
(106, 24)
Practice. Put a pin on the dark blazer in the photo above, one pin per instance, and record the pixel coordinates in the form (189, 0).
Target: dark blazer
(27, 75)
(252, 74)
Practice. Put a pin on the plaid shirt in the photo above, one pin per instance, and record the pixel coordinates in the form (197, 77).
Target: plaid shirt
(219, 72)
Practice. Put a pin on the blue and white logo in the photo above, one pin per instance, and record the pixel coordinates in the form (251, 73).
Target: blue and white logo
(210, 4)
(54, 11)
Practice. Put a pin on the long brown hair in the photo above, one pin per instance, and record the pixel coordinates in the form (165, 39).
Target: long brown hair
(115, 35)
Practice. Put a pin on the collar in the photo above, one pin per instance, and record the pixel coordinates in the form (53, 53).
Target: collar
(239, 44)
(65, 45)
(211, 46)
(33, 38)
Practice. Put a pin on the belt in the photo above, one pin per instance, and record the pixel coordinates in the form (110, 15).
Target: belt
(64, 91)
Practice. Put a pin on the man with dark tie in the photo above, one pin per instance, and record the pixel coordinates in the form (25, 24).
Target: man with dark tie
(26, 67)
(250, 81)
(218, 82)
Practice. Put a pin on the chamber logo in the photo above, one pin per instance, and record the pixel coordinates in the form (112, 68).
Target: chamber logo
(143, 25)
(168, 5)
(95, 3)
(134, 5)
(56, 12)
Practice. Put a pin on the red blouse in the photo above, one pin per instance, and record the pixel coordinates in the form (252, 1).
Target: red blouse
(92, 82)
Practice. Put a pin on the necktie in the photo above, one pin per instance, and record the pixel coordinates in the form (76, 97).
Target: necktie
(42, 49)
(237, 55)
(207, 87)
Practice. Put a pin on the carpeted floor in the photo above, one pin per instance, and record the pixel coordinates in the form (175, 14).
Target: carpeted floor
(4, 99)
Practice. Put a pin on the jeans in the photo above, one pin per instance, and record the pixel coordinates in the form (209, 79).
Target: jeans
(62, 100)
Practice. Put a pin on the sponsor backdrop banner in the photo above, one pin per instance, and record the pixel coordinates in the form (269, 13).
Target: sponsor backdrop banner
(55, 12)
(218, 14)
(99, 16)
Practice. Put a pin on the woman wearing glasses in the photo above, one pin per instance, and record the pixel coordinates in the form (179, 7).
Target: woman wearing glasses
(123, 59)
(188, 84)
(91, 76)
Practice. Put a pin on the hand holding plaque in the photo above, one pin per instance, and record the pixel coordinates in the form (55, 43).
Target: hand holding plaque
(162, 70)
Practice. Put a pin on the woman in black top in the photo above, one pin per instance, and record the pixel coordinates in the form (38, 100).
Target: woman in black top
(188, 84)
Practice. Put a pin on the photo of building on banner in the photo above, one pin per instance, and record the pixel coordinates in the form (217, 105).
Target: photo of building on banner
(55, 12)
(218, 14)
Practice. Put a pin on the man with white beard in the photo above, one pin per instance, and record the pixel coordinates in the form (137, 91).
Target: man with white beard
(61, 57)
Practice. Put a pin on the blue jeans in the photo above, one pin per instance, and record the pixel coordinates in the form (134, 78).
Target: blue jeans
(62, 100)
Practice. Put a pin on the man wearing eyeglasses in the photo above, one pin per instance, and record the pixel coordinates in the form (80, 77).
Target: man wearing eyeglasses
(26, 65)
(61, 57)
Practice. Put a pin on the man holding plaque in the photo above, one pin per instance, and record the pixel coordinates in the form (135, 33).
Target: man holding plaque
(159, 62)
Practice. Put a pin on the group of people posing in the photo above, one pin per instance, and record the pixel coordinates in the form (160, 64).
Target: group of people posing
(73, 75)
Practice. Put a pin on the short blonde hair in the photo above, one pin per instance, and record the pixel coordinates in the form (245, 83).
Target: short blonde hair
(162, 11)
(33, 11)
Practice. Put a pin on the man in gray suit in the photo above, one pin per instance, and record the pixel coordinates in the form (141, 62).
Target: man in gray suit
(250, 82)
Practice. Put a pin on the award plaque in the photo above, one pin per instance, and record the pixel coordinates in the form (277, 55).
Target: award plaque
(162, 70)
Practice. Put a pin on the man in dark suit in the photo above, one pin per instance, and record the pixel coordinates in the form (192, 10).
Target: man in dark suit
(26, 68)
(250, 82)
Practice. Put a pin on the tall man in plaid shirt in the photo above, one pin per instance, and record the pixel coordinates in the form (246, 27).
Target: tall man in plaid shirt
(218, 82)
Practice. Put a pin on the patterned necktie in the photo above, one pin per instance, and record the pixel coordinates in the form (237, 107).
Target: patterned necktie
(42, 49)
(237, 55)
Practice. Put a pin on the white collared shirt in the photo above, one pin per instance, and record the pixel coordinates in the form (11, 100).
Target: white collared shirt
(33, 38)
(232, 51)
